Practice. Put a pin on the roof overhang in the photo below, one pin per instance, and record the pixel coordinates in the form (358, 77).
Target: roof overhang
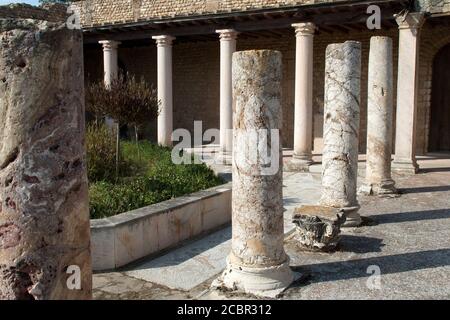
(338, 16)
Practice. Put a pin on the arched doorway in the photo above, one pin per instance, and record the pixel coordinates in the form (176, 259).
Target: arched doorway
(439, 139)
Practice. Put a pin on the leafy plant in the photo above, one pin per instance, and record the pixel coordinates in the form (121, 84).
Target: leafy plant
(152, 178)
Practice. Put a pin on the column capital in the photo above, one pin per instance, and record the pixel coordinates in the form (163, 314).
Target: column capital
(109, 44)
(304, 28)
(411, 20)
(163, 40)
(227, 34)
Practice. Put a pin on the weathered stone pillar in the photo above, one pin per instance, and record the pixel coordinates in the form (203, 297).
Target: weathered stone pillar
(165, 118)
(227, 48)
(408, 66)
(379, 118)
(341, 128)
(110, 66)
(257, 263)
(44, 213)
(303, 118)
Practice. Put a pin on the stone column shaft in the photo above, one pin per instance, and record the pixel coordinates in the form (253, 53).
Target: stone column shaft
(408, 66)
(165, 118)
(303, 118)
(341, 128)
(44, 211)
(379, 118)
(258, 263)
(227, 48)
(110, 66)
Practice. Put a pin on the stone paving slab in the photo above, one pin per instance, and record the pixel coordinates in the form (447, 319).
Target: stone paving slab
(187, 267)
(408, 238)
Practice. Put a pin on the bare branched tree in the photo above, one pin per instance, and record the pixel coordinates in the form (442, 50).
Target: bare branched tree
(127, 101)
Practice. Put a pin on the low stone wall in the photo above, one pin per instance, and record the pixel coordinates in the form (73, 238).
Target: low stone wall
(122, 239)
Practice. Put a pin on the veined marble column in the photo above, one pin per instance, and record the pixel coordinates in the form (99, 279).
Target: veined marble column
(44, 212)
(408, 66)
(379, 118)
(227, 48)
(303, 118)
(165, 118)
(341, 129)
(257, 263)
(110, 67)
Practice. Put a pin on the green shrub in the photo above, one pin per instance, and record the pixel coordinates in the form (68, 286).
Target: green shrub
(100, 152)
(154, 178)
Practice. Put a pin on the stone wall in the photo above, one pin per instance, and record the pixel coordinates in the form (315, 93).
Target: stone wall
(50, 12)
(95, 12)
(433, 6)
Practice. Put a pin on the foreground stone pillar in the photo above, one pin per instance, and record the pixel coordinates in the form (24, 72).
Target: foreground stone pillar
(110, 67)
(408, 66)
(44, 213)
(341, 128)
(227, 48)
(379, 118)
(257, 263)
(165, 118)
(303, 119)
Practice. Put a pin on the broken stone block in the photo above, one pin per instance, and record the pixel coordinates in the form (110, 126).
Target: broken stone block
(318, 227)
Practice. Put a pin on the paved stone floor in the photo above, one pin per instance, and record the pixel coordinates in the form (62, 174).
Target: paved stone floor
(406, 239)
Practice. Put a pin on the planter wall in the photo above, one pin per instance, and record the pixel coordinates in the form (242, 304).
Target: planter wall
(122, 239)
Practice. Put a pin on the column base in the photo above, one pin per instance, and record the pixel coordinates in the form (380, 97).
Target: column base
(379, 189)
(352, 217)
(265, 282)
(224, 158)
(299, 163)
(405, 166)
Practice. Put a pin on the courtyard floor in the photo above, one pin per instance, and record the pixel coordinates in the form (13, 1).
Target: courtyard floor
(406, 239)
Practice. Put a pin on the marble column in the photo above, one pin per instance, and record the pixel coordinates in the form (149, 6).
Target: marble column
(379, 118)
(408, 66)
(110, 67)
(303, 118)
(165, 118)
(341, 129)
(227, 48)
(44, 211)
(257, 263)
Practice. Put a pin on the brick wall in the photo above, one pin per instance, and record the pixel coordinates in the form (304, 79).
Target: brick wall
(96, 12)
(433, 38)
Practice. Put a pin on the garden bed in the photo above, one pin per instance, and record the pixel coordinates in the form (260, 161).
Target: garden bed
(145, 203)
(146, 175)
(125, 238)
